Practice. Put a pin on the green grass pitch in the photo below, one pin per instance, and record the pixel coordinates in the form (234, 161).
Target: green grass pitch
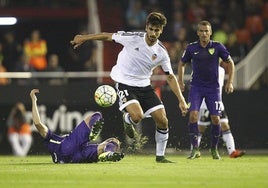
(137, 171)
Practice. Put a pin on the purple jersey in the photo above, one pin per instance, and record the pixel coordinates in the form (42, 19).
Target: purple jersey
(72, 148)
(205, 78)
(205, 62)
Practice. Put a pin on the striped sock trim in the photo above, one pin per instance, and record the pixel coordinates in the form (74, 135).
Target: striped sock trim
(162, 131)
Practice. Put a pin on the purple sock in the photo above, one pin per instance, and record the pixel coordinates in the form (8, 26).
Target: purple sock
(193, 132)
(94, 118)
(215, 135)
(111, 146)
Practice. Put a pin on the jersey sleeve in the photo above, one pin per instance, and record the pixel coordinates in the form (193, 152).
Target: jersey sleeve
(117, 37)
(186, 56)
(224, 54)
(124, 38)
(166, 65)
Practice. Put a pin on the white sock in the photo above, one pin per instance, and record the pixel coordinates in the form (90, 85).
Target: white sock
(199, 139)
(129, 120)
(229, 141)
(161, 138)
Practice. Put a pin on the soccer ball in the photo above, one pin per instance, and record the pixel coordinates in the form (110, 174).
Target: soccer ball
(105, 96)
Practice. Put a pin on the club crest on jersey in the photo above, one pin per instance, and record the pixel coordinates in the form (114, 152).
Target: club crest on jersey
(154, 56)
(211, 50)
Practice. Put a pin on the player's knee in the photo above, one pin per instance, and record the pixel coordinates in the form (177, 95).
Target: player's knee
(225, 126)
(215, 120)
(193, 118)
(201, 129)
(162, 122)
(136, 117)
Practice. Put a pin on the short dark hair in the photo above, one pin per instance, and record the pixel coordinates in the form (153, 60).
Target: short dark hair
(204, 23)
(156, 18)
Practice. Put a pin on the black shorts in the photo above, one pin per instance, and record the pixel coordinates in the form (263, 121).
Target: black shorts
(145, 96)
(205, 120)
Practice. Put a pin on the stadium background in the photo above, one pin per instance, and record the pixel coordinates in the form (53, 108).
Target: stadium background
(246, 108)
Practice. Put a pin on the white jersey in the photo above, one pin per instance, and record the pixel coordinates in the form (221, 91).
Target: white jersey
(221, 82)
(136, 61)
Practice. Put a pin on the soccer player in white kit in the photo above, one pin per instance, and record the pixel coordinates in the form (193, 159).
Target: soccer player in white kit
(204, 121)
(142, 52)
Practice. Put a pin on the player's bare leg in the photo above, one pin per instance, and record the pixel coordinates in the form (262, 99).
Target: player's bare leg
(132, 117)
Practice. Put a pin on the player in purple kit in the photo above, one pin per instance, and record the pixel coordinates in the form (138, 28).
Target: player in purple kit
(76, 147)
(204, 122)
(204, 55)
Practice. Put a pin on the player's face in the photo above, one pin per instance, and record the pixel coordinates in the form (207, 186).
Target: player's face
(153, 33)
(204, 32)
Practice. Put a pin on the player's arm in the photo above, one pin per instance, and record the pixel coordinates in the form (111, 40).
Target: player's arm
(10, 118)
(181, 69)
(174, 86)
(80, 39)
(231, 68)
(42, 129)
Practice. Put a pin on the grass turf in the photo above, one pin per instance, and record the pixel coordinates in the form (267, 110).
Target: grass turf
(139, 171)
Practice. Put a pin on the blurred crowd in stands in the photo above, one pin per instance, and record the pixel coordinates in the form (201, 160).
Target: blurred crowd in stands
(237, 24)
(19, 130)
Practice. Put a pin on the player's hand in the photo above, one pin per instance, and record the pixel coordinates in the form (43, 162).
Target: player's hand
(32, 94)
(184, 108)
(229, 88)
(77, 41)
